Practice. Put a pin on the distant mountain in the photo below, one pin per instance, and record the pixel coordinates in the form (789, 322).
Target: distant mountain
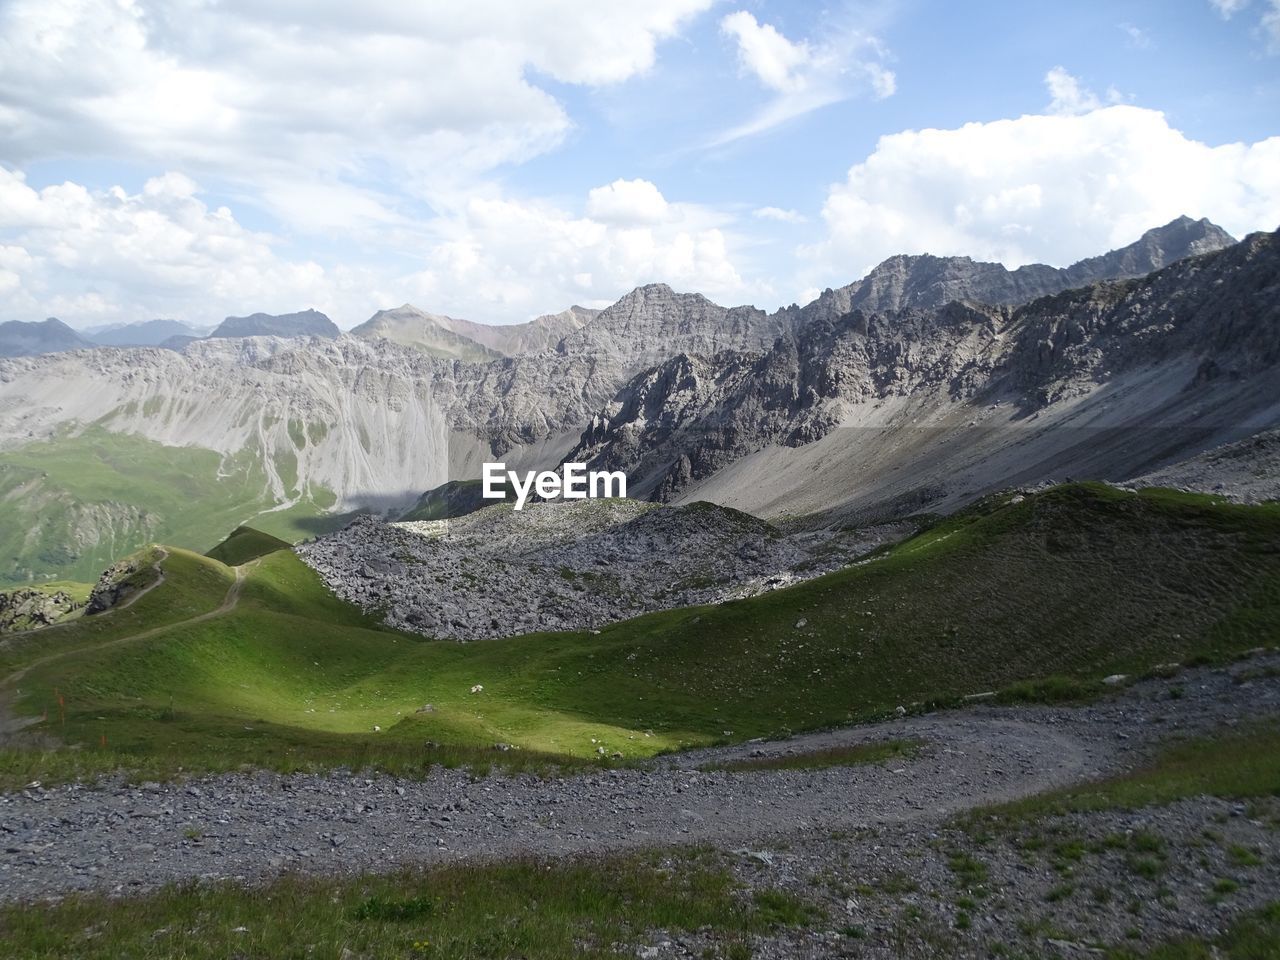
(145, 333)
(928, 407)
(307, 323)
(520, 339)
(925, 281)
(431, 333)
(21, 339)
(653, 322)
(451, 338)
(866, 411)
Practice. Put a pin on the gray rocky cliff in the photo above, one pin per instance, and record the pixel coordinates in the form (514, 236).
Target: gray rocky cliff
(686, 418)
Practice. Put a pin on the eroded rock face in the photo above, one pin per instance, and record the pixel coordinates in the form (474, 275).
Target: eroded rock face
(569, 565)
(450, 337)
(653, 322)
(682, 421)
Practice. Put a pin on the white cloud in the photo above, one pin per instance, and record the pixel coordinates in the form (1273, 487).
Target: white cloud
(779, 214)
(627, 202)
(1270, 26)
(804, 76)
(779, 63)
(1066, 94)
(286, 95)
(1268, 23)
(513, 259)
(1051, 189)
(104, 256)
(1228, 8)
(1135, 36)
(89, 256)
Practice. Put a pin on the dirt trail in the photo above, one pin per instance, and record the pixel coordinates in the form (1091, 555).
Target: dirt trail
(253, 826)
(12, 723)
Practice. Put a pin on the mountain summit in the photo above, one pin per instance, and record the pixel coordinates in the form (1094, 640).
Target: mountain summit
(305, 323)
(451, 338)
(925, 281)
(20, 339)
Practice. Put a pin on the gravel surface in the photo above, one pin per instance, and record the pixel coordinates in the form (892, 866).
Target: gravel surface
(1058, 887)
(116, 837)
(571, 565)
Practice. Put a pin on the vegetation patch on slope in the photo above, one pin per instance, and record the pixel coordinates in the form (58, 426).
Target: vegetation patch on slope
(527, 908)
(456, 498)
(1238, 765)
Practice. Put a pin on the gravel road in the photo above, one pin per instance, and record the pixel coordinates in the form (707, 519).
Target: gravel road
(119, 838)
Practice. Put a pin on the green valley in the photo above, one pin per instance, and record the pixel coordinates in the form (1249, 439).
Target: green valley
(87, 499)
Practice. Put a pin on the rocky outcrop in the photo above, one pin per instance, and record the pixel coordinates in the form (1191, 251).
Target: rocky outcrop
(114, 586)
(685, 419)
(569, 565)
(28, 608)
(653, 323)
(522, 339)
(1220, 310)
(431, 333)
(927, 282)
(1247, 471)
(451, 338)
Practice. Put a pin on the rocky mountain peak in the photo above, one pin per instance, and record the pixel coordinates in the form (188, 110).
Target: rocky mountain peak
(1161, 246)
(654, 322)
(925, 281)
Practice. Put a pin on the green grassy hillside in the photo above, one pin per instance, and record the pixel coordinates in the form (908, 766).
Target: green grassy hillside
(453, 499)
(89, 499)
(245, 544)
(1078, 582)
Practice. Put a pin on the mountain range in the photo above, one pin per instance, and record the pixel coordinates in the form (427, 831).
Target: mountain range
(919, 387)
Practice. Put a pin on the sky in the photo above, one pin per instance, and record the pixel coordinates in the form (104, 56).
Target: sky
(499, 160)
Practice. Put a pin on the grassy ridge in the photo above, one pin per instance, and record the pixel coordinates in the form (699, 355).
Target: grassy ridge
(245, 544)
(1079, 582)
(193, 585)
